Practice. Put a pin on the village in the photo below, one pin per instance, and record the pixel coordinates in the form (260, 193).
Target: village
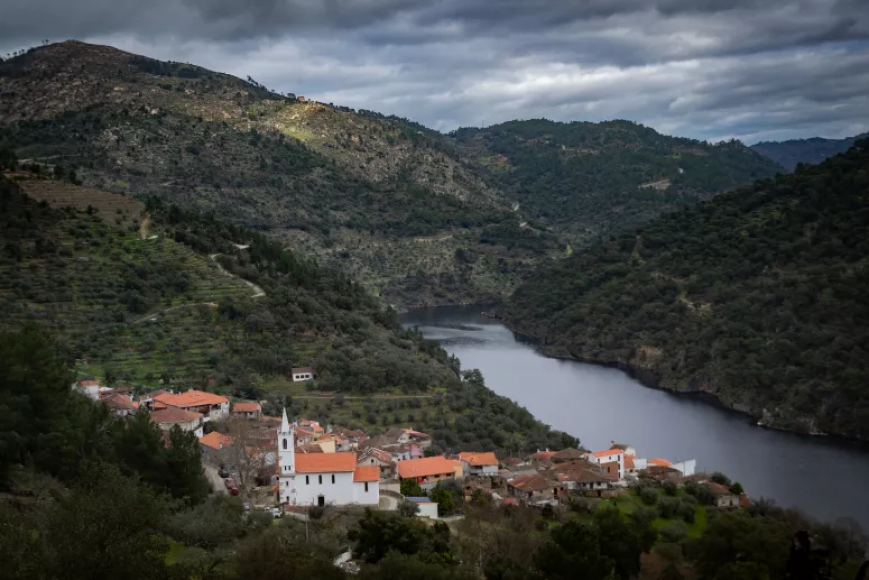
(289, 466)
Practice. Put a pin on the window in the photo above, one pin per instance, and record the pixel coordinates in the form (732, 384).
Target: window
(333, 478)
(366, 486)
(320, 477)
(307, 480)
(285, 442)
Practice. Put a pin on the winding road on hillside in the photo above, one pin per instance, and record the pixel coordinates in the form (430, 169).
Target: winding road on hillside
(257, 291)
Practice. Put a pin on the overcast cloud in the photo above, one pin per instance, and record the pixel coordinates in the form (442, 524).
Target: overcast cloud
(710, 69)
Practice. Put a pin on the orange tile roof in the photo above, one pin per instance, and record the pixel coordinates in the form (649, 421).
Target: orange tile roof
(479, 459)
(215, 440)
(89, 383)
(425, 467)
(543, 454)
(660, 462)
(529, 482)
(325, 462)
(191, 399)
(172, 415)
(119, 401)
(325, 438)
(366, 473)
(608, 452)
(246, 408)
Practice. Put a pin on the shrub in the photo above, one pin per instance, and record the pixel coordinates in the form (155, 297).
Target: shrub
(674, 532)
(669, 487)
(668, 507)
(720, 478)
(649, 495)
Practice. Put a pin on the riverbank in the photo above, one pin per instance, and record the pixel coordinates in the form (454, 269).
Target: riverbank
(803, 426)
(602, 403)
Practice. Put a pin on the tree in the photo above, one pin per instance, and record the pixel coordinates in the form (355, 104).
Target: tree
(574, 551)
(649, 495)
(669, 487)
(444, 499)
(720, 478)
(378, 533)
(118, 518)
(34, 391)
(273, 556)
(738, 537)
(619, 542)
(736, 488)
(395, 566)
(410, 488)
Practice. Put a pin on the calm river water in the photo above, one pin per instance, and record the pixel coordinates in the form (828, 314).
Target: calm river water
(824, 478)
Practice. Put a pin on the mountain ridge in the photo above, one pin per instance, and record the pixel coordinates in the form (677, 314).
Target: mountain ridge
(811, 150)
(754, 297)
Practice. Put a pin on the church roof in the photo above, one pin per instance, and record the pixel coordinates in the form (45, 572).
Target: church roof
(366, 473)
(325, 462)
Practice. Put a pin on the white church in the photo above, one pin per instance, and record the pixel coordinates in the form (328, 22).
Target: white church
(321, 479)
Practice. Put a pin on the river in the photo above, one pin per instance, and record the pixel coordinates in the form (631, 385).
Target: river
(824, 478)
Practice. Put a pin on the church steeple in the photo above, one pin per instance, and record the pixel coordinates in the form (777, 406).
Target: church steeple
(286, 447)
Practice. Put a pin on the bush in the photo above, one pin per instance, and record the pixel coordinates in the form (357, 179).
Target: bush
(674, 532)
(720, 478)
(668, 507)
(669, 552)
(669, 487)
(649, 495)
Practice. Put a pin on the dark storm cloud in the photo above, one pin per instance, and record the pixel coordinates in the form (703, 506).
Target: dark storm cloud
(707, 68)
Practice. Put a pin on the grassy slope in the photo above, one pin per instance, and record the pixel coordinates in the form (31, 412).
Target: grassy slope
(756, 297)
(360, 191)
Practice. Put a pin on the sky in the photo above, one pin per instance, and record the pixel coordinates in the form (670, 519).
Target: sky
(708, 69)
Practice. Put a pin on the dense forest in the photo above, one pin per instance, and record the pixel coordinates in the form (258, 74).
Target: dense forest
(757, 297)
(813, 150)
(73, 475)
(595, 178)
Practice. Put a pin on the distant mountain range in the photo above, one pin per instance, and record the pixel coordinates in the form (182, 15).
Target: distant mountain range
(813, 150)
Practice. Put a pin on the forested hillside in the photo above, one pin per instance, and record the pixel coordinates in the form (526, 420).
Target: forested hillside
(757, 297)
(390, 203)
(147, 294)
(813, 150)
(593, 178)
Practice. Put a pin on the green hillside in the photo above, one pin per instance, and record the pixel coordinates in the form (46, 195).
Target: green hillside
(813, 150)
(594, 178)
(757, 297)
(386, 201)
(145, 295)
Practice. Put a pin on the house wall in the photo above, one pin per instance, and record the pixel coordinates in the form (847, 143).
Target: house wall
(727, 501)
(92, 392)
(370, 497)
(299, 377)
(327, 446)
(618, 458)
(686, 467)
(428, 510)
(430, 482)
(308, 490)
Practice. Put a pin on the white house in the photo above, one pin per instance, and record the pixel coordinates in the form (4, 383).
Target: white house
(611, 461)
(303, 374)
(485, 464)
(188, 421)
(426, 508)
(320, 479)
(90, 388)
